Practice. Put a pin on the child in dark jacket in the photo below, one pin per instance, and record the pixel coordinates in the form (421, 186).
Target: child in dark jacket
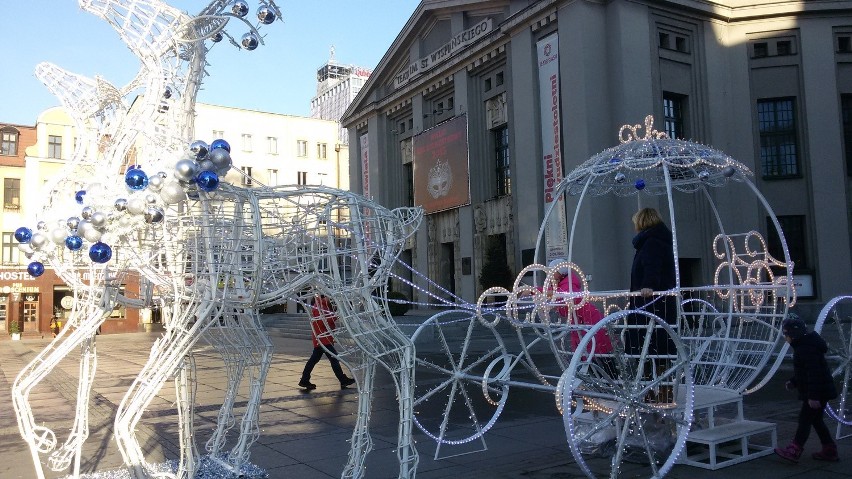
(812, 378)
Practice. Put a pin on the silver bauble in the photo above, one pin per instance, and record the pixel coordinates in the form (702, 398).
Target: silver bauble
(41, 226)
(92, 234)
(99, 220)
(136, 205)
(220, 158)
(25, 248)
(162, 174)
(206, 165)
(58, 235)
(87, 212)
(172, 193)
(199, 149)
(619, 178)
(186, 170)
(82, 226)
(38, 241)
(265, 15)
(728, 171)
(153, 215)
(155, 183)
(151, 199)
(240, 8)
(703, 175)
(120, 204)
(72, 223)
(249, 41)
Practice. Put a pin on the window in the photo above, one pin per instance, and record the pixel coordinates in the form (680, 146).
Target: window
(246, 175)
(673, 105)
(218, 134)
(846, 109)
(681, 45)
(663, 40)
(273, 177)
(11, 253)
(793, 228)
(302, 177)
(501, 150)
(272, 145)
(760, 50)
(11, 193)
(9, 142)
(322, 153)
(301, 148)
(784, 47)
(778, 145)
(54, 146)
(844, 44)
(246, 142)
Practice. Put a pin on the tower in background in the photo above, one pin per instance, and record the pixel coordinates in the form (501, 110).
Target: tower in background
(337, 86)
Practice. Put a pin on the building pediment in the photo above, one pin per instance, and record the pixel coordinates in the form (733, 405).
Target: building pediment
(437, 32)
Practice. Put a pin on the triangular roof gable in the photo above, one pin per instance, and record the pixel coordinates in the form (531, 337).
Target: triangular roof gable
(430, 24)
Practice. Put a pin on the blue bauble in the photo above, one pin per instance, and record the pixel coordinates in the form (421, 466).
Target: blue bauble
(74, 242)
(640, 184)
(79, 196)
(35, 269)
(217, 37)
(23, 234)
(614, 160)
(100, 252)
(136, 179)
(207, 180)
(220, 143)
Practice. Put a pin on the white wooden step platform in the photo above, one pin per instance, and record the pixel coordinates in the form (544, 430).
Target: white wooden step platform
(723, 444)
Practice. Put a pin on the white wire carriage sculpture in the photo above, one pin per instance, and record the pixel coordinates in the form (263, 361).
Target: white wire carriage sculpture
(211, 252)
(608, 382)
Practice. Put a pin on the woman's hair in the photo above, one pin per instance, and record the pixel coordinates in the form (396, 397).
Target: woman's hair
(646, 218)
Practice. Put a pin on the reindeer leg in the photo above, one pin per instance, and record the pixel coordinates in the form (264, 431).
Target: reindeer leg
(167, 356)
(259, 349)
(361, 441)
(185, 388)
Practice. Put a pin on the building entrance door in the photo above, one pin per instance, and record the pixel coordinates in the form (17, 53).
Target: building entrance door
(30, 316)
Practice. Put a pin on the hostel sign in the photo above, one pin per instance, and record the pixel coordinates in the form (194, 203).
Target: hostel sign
(459, 41)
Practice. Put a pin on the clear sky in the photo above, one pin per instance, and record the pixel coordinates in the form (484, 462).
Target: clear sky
(278, 77)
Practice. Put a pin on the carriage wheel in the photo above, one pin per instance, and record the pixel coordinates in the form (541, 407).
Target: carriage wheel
(834, 324)
(629, 405)
(462, 372)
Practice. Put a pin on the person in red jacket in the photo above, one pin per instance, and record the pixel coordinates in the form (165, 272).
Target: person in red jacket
(322, 323)
(567, 281)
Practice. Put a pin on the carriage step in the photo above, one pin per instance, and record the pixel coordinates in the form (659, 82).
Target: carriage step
(728, 444)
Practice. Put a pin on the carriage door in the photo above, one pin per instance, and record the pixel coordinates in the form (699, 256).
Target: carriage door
(30, 312)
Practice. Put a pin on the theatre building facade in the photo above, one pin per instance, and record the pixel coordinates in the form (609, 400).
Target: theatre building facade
(479, 107)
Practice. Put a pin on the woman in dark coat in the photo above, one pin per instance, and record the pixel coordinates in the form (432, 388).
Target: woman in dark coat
(812, 378)
(653, 270)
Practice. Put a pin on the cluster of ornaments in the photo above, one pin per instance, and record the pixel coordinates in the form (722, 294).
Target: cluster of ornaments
(100, 222)
(265, 15)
